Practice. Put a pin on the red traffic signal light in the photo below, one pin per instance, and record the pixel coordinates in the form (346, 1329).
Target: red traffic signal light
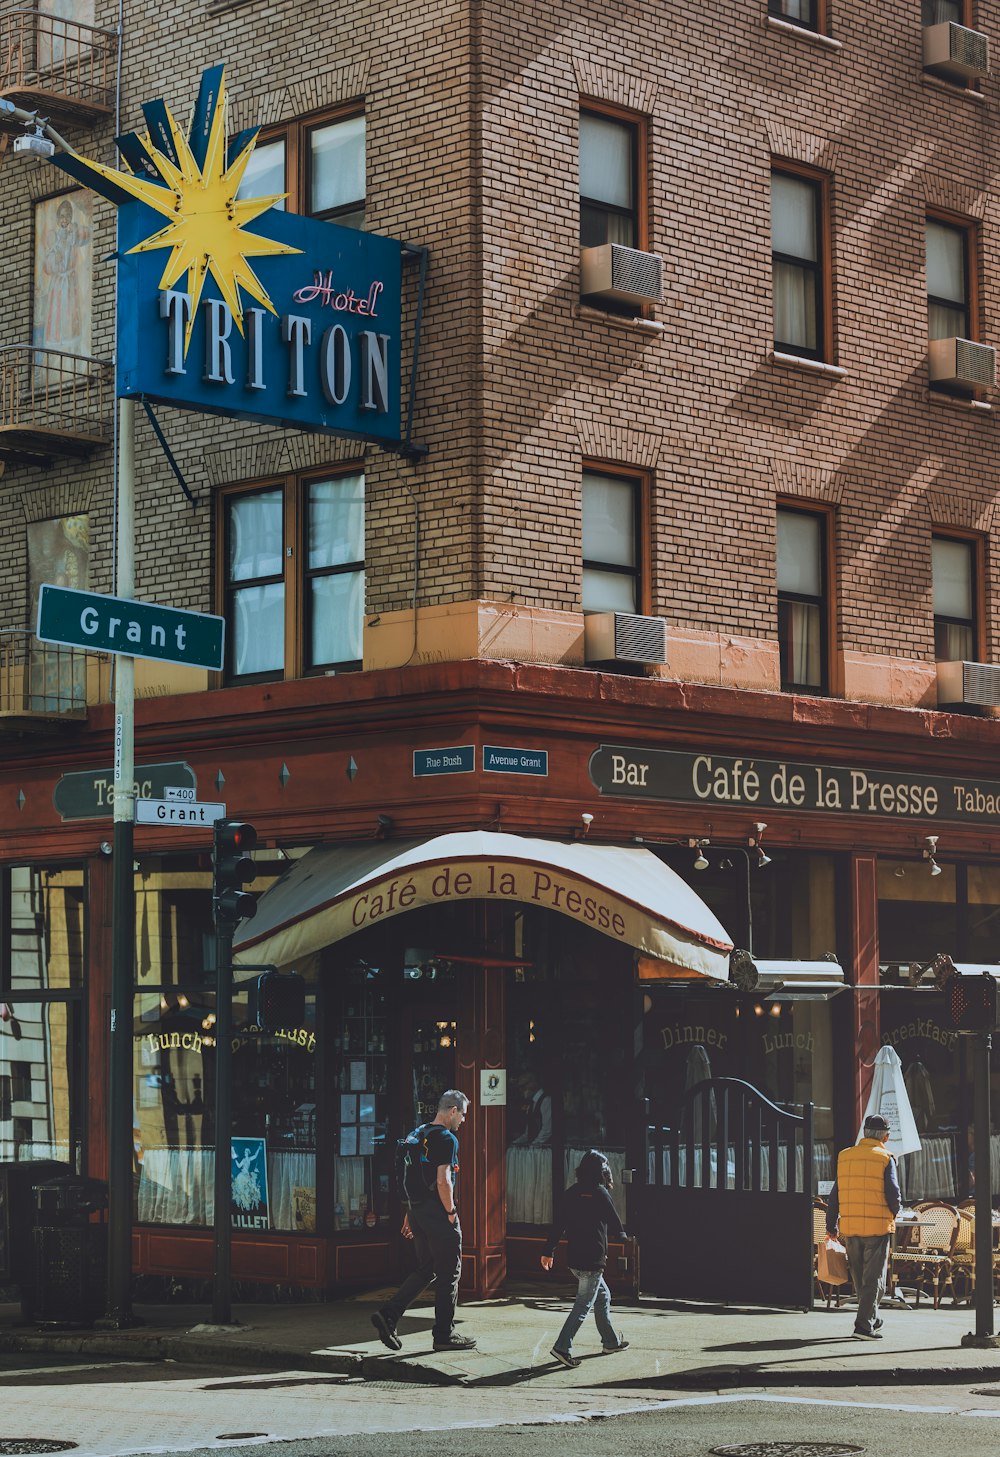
(972, 1003)
(233, 864)
(281, 1001)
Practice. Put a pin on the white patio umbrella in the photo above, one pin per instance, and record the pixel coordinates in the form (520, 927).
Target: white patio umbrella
(889, 1097)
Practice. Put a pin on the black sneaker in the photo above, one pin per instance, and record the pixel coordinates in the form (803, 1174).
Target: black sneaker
(867, 1335)
(610, 1350)
(570, 1362)
(455, 1343)
(386, 1333)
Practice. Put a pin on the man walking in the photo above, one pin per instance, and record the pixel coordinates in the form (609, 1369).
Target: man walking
(432, 1224)
(865, 1201)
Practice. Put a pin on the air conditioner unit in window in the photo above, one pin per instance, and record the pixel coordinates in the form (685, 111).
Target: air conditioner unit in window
(622, 637)
(977, 683)
(956, 52)
(623, 274)
(961, 364)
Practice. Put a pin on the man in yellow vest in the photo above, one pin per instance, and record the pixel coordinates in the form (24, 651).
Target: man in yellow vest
(865, 1200)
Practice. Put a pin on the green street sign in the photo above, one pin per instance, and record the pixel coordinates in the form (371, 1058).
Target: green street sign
(137, 629)
(89, 795)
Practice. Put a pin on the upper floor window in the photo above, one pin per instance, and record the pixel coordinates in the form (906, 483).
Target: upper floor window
(953, 568)
(294, 577)
(806, 13)
(612, 513)
(320, 164)
(609, 180)
(62, 303)
(802, 600)
(798, 257)
(937, 12)
(949, 314)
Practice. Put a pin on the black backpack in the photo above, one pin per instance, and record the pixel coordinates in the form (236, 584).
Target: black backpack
(415, 1175)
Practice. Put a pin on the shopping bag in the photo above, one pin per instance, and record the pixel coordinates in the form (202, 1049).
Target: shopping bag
(831, 1263)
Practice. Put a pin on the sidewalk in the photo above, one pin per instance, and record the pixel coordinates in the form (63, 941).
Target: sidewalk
(670, 1346)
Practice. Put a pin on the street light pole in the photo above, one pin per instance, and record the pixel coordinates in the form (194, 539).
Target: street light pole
(121, 1115)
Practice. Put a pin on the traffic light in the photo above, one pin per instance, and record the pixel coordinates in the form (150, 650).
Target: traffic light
(233, 868)
(972, 1003)
(281, 1001)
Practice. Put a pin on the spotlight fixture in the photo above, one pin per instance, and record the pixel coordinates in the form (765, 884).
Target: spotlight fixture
(899, 872)
(754, 842)
(586, 820)
(700, 859)
(384, 825)
(105, 847)
(930, 853)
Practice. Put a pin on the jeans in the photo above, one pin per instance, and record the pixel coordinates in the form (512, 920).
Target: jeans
(592, 1293)
(867, 1255)
(438, 1246)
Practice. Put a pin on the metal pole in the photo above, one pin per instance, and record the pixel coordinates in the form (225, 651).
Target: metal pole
(221, 1291)
(984, 1188)
(120, 1092)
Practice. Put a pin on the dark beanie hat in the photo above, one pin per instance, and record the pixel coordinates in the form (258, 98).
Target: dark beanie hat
(876, 1124)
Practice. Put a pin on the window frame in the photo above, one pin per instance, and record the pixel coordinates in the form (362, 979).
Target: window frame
(295, 135)
(976, 546)
(639, 125)
(296, 574)
(965, 15)
(826, 517)
(817, 25)
(641, 574)
(822, 268)
(969, 230)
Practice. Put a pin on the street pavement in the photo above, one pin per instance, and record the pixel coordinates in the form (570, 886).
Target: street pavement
(670, 1346)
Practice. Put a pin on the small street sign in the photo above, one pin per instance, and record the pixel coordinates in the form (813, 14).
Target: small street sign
(515, 761)
(177, 812)
(89, 795)
(137, 629)
(459, 760)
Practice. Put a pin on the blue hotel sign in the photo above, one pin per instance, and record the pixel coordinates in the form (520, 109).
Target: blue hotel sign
(328, 359)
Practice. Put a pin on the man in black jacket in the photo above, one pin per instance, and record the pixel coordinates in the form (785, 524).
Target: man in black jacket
(586, 1215)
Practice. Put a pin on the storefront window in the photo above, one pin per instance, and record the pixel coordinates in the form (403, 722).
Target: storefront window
(42, 1100)
(362, 1168)
(274, 1113)
(917, 912)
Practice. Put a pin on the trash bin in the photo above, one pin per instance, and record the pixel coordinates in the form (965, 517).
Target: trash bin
(18, 1178)
(71, 1254)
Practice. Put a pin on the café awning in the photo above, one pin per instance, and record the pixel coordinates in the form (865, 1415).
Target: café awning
(625, 893)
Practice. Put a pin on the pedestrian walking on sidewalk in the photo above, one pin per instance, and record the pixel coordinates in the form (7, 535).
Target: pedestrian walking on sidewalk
(864, 1203)
(587, 1216)
(431, 1222)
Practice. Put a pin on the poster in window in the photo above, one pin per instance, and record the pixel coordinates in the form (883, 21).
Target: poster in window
(58, 552)
(63, 275)
(61, 38)
(249, 1184)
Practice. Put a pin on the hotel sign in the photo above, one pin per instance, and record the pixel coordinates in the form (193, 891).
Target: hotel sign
(721, 781)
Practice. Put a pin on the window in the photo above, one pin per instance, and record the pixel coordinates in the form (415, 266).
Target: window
(62, 293)
(609, 181)
(798, 249)
(320, 164)
(802, 609)
(937, 12)
(797, 12)
(294, 578)
(953, 568)
(612, 511)
(949, 313)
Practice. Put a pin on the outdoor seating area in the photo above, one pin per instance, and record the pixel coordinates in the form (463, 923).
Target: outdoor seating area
(933, 1254)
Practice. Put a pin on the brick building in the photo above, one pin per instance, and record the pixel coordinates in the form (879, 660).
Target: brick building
(778, 442)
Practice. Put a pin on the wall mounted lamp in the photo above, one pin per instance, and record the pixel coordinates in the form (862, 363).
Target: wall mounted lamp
(581, 831)
(755, 844)
(700, 859)
(105, 847)
(384, 825)
(930, 853)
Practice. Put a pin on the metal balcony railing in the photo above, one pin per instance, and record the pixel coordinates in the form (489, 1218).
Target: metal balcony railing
(42, 680)
(53, 403)
(59, 66)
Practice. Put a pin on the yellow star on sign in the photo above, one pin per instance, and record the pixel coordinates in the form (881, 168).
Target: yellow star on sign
(206, 228)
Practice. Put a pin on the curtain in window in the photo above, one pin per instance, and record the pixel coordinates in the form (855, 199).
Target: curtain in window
(258, 629)
(794, 306)
(935, 12)
(794, 235)
(255, 536)
(799, 632)
(606, 160)
(953, 642)
(336, 522)
(946, 282)
(337, 164)
(800, 553)
(265, 173)
(336, 614)
(951, 570)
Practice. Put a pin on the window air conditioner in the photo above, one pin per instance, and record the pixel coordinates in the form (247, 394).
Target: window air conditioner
(623, 274)
(961, 364)
(977, 683)
(954, 51)
(624, 638)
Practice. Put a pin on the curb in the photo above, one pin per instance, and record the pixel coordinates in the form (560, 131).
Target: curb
(719, 1378)
(183, 1348)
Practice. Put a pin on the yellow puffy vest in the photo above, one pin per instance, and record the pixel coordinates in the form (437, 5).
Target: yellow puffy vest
(861, 1189)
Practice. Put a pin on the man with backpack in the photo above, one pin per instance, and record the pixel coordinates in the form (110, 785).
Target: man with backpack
(427, 1162)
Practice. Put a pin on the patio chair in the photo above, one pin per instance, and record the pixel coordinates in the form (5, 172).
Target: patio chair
(963, 1253)
(926, 1257)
